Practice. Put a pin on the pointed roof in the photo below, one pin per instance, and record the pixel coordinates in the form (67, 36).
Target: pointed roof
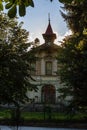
(49, 35)
(49, 30)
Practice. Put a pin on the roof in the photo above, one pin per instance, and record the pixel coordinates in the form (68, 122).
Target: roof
(49, 34)
(49, 30)
(47, 48)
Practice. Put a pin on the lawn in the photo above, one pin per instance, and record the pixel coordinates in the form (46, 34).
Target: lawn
(6, 114)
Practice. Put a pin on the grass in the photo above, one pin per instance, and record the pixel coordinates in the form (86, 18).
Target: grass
(32, 115)
(54, 116)
(6, 114)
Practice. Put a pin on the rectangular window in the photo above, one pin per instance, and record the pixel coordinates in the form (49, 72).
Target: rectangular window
(48, 68)
(33, 68)
(38, 67)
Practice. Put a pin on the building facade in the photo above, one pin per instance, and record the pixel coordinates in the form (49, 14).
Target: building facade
(46, 66)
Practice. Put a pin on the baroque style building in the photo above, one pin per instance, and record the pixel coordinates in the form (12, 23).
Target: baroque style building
(46, 65)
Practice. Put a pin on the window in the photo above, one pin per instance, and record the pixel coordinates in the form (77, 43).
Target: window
(33, 68)
(48, 68)
(38, 67)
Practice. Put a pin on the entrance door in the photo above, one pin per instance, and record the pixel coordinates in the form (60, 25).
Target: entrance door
(48, 94)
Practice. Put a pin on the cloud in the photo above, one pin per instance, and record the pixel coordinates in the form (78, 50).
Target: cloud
(69, 32)
(31, 37)
(61, 37)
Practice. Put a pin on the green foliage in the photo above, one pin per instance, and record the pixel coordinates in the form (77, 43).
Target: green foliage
(72, 57)
(69, 1)
(8, 5)
(22, 10)
(76, 17)
(1, 6)
(12, 12)
(12, 5)
(14, 62)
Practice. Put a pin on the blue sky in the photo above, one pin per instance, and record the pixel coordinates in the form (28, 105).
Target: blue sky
(36, 19)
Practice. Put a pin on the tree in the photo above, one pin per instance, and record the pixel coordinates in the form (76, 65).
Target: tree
(76, 17)
(11, 5)
(72, 57)
(36, 43)
(14, 63)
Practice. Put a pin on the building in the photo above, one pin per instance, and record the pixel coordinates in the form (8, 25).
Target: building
(46, 67)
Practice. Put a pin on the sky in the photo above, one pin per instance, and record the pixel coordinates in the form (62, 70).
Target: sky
(36, 20)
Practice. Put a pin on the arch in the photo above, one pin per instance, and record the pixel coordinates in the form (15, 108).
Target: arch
(48, 94)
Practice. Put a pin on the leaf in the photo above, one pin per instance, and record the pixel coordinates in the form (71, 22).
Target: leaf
(22, 10)
(27, 3)
(12, 12)
(7, 6)
(79, 0)
(31, 3)
(69, 1)
(66, 1)
(1, 6)
(6, 0)
(11, 1)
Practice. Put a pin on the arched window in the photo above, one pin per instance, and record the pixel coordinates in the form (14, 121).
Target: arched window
(48, 94)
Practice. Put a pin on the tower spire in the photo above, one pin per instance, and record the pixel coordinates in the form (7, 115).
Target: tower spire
(49, 17)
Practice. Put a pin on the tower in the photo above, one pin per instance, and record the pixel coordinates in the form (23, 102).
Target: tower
(49, 36)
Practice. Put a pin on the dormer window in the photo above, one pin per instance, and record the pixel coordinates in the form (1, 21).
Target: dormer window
(48, 68)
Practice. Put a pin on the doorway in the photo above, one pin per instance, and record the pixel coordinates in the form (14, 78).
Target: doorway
(48, 94)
